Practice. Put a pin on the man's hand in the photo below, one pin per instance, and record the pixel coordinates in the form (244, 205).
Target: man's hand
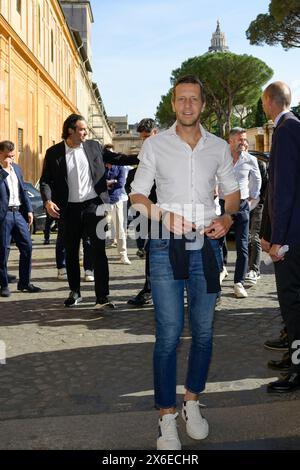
(52, 209)
(6, 160)
(30, 218)
(176, 223)
(273, 253)
(110, 183)
(265, 246)
(219, 227)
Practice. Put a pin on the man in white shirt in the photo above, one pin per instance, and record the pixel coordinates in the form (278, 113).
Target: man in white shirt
(248, 176)
(73, 187)
(184, 162)
(15, 218)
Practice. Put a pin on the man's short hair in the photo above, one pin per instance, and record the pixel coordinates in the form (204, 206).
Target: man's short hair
(236, 130)
(189, 79)
(109, 147)
(279, 93)
(146, 125)
(7, 146)
(70, 123)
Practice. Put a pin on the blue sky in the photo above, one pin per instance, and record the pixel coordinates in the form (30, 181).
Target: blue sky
(137, 44)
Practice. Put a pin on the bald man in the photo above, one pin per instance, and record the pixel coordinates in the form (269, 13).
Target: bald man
(284, 214)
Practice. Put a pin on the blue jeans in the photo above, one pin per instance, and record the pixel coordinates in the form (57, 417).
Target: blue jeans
(241, 229)
(14, 225)
(168, 298)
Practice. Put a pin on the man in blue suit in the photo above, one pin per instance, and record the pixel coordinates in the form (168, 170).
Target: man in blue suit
(283, 228)
(15, 218)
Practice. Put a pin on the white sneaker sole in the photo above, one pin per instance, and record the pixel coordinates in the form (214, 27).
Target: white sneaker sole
(162, 446)
(77, 301)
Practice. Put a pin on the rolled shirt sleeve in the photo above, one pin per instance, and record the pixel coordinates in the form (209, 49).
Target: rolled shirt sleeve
(254, 179)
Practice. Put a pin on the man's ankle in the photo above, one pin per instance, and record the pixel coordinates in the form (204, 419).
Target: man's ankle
(166, 411)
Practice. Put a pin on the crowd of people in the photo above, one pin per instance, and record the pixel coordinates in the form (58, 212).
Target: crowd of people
(172, 184)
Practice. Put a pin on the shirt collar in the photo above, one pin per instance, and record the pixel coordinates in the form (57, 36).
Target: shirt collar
(70, 149)
(243, 156)
(172, 131)
(279, 117)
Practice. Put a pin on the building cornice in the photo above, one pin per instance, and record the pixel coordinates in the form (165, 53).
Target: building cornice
(8, 32)
(83, 2)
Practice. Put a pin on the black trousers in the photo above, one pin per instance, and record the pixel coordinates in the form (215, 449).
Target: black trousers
(81, 220)
(287, 274)
(254, 247)
(60, 252)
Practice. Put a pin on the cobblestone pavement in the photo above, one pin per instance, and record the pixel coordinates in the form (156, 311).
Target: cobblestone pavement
(82, 379)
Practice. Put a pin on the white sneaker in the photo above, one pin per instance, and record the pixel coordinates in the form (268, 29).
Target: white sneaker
(125, 259)
(240, 291)
(167, 433)
(252, 277)
(62, 274)
(223, 274)
(89, 276)
(196, 426)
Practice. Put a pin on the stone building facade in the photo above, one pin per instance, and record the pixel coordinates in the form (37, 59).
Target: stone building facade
(43, 79)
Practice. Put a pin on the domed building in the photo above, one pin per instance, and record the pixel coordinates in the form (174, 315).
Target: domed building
(218, 41)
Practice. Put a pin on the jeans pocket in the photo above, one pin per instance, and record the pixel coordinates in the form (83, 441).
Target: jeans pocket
(160, 267)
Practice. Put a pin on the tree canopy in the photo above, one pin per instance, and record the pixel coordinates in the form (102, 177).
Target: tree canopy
(229, 80)
(280, 26)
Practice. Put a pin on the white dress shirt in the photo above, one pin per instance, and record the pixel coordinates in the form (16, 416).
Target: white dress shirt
(277, 119)
(13, 186)
(185, 178)
(248, 176)
(80, 181)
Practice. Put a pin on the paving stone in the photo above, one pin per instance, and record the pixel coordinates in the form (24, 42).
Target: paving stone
(66, 362)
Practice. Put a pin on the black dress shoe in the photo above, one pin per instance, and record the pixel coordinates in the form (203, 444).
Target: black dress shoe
(73, 299)
(278, 344)
(11, 278)
(46, 242)
(283, 365)
(30, 288)
(141, 299)
(4, 292)
(289, 383)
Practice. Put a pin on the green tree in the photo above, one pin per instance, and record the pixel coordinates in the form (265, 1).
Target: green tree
(260, 117)
(296, 109)
(280, 26)
(229, 80)
(164, 113)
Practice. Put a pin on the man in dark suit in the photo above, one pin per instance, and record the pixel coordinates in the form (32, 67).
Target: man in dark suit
(146, 128)
(73, 187)
(15, 218)
(284, 215)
